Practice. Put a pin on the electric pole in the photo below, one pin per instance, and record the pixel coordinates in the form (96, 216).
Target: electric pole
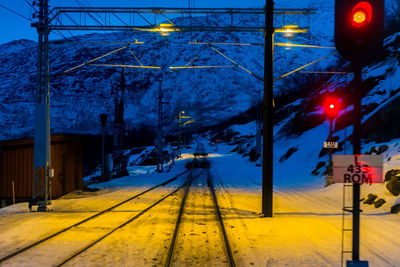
(159, 126)
(259, 130)
(42, 172)
(119, 160)
(268, 142)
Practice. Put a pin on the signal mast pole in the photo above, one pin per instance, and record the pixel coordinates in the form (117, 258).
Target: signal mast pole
(268, 142)
(357, 91)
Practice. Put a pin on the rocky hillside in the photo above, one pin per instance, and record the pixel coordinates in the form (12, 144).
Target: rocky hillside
(209, 95)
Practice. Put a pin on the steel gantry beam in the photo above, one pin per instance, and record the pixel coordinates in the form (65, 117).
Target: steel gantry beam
(155, 19)
(152, 18)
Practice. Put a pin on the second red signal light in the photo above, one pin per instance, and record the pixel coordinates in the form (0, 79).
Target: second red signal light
(332, 107)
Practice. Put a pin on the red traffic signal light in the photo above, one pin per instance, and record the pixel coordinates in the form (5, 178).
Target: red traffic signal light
(361, 14)
(331, 107)
(359, 29)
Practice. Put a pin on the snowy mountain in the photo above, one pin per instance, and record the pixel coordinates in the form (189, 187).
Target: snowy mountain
(210, 95)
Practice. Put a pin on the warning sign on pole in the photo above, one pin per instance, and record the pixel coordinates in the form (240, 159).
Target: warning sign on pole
(358, 169)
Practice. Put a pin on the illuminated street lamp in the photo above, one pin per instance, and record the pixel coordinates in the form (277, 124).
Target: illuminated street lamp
(164, 29)
(290, 30)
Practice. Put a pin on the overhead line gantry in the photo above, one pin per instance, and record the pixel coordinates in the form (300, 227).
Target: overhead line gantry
(139, 19)
(131, 19)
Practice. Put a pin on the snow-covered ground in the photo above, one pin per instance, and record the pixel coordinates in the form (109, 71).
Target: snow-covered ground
(306, 228)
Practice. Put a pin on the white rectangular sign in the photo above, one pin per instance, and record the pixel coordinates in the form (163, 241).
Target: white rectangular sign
(331, 145)
(358, 169)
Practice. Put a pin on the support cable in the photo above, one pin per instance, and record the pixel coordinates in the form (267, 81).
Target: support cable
(206, 43)
(16, 13)
(302, 67)
(88, 6)
(237, 64)
(136, 57)
(97, 58)
(201, 67)
(300, 45)
(124, 66)
(90, 15)
(26, 1)
(190, 62)
(75, 41)
(327, 72)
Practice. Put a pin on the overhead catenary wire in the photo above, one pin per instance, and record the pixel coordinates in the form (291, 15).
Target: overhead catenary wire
(237, 64)
(201, 67)
(327, 72)
(136, 57)
(302, 67)
(97, 58)
(190, 62)
(301, 45)
(124, 66)
(74, 42)
(26, 1)
(16, 13)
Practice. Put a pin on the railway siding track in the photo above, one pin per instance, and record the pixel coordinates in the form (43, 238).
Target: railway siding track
(119, 226)
(51, 236)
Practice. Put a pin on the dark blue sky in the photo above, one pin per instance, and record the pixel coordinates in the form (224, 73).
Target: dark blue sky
(15, 27)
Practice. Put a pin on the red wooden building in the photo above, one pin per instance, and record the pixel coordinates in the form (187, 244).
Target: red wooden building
(16, 164)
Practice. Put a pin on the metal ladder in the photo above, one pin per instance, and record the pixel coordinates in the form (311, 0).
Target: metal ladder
(345, 229)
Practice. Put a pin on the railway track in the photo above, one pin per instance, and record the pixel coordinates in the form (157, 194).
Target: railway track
(64, 230)
(180, 220)
(187, 183)
(77, 253)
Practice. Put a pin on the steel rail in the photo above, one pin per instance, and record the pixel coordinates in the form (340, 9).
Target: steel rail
(181, 209)
(177, 225)
(227, 245)
(123, 224)
(19, 251)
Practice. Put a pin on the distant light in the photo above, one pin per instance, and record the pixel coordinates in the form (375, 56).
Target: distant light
(332, 106)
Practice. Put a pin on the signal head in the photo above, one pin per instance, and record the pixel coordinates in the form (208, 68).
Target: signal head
(361, 14)
(331, 107)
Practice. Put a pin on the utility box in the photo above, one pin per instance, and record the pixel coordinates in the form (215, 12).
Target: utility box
(16, 164)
